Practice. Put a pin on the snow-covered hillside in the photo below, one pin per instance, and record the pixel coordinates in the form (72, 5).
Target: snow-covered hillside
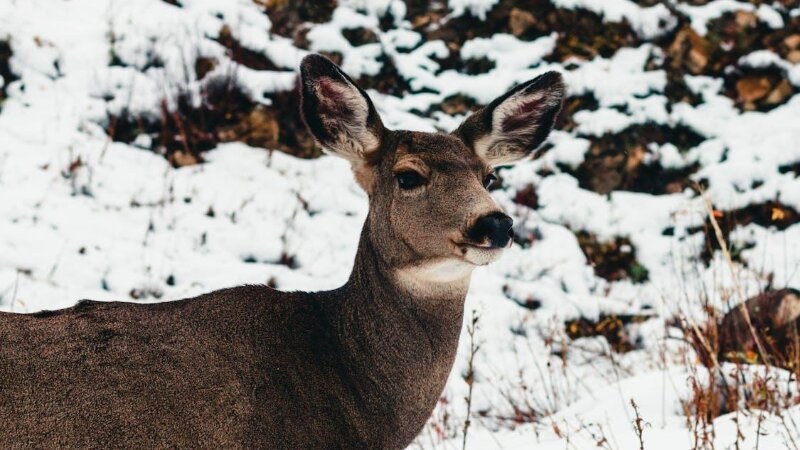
(133, 167)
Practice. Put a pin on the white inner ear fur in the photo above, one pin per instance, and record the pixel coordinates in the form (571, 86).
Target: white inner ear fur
(435, 276)
(356, 139)
(502, 147)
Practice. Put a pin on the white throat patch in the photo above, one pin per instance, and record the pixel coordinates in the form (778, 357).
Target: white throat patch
(435, 276)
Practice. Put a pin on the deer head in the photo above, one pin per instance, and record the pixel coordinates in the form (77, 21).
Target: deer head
(431, 218)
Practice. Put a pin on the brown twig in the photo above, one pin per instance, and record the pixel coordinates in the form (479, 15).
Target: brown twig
(469, 377)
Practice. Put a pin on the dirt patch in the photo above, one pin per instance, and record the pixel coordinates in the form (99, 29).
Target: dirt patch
(185, 131)
(717, 54)
(617, 161)
(584, 102)
(359, 36)
(453, 105)
(387, 81)
(614, 328)
(242, 55)
(759, 89)
(288, 16)
(768, 214)
(582, 33)
(612, 260)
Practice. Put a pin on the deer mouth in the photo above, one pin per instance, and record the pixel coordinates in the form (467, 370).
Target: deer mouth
(480, 255)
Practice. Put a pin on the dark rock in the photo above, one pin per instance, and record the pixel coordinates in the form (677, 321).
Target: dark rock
(520, 21)
(688, 52)
(774, 316)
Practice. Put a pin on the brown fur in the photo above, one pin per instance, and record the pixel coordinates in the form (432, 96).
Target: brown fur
(361, 366)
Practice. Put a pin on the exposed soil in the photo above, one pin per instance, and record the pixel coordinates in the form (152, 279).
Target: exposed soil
(226, 114)
(613, 260)
(614, 328)
(768, 214)
(617, 161)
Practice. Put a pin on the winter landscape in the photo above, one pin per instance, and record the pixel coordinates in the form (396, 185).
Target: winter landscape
(152, 150)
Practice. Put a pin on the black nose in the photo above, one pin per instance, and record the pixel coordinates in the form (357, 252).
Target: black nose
(494, 228)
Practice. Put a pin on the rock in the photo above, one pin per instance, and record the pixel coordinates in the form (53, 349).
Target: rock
(745, 19)
(774, 316)
(458, 104)
(635, 157)
(180, 159)
(689, 50)
(520, 21)
(752, 88)
(792, 42)
(780, 93)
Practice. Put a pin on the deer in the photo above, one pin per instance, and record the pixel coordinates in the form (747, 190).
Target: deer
(360, 366)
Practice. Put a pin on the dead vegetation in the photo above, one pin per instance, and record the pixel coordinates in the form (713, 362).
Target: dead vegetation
(768, 214)
(186, 128)
(619, 161)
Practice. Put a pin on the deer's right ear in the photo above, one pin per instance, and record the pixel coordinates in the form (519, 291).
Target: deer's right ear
(513, 125)
(338, 113)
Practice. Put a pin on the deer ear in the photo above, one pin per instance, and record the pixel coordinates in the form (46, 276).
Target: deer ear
(513, 125)
(338, 113)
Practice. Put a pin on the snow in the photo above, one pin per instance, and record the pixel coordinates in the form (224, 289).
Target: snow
(124, 221)
(509, 52)
(649, 22)
(477, 8)
(701, 15)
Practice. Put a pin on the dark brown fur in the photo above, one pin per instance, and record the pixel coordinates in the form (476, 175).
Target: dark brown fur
(247, 367)
(250, 367)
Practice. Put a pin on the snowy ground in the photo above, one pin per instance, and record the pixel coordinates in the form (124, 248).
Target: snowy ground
(84, 217)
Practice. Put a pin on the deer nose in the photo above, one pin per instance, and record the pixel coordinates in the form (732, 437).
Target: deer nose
(494, 228)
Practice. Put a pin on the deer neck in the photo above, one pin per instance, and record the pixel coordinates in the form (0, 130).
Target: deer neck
(399, 331)
(429, 294)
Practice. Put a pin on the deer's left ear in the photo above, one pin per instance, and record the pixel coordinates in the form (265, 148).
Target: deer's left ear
(513, 125)
(339, 114)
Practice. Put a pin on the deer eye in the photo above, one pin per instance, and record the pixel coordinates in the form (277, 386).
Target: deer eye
(409, 180)
(489, 181)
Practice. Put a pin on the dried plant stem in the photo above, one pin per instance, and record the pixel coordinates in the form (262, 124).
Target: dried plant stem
(469, 377)
(727, 254)
(638, 425)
